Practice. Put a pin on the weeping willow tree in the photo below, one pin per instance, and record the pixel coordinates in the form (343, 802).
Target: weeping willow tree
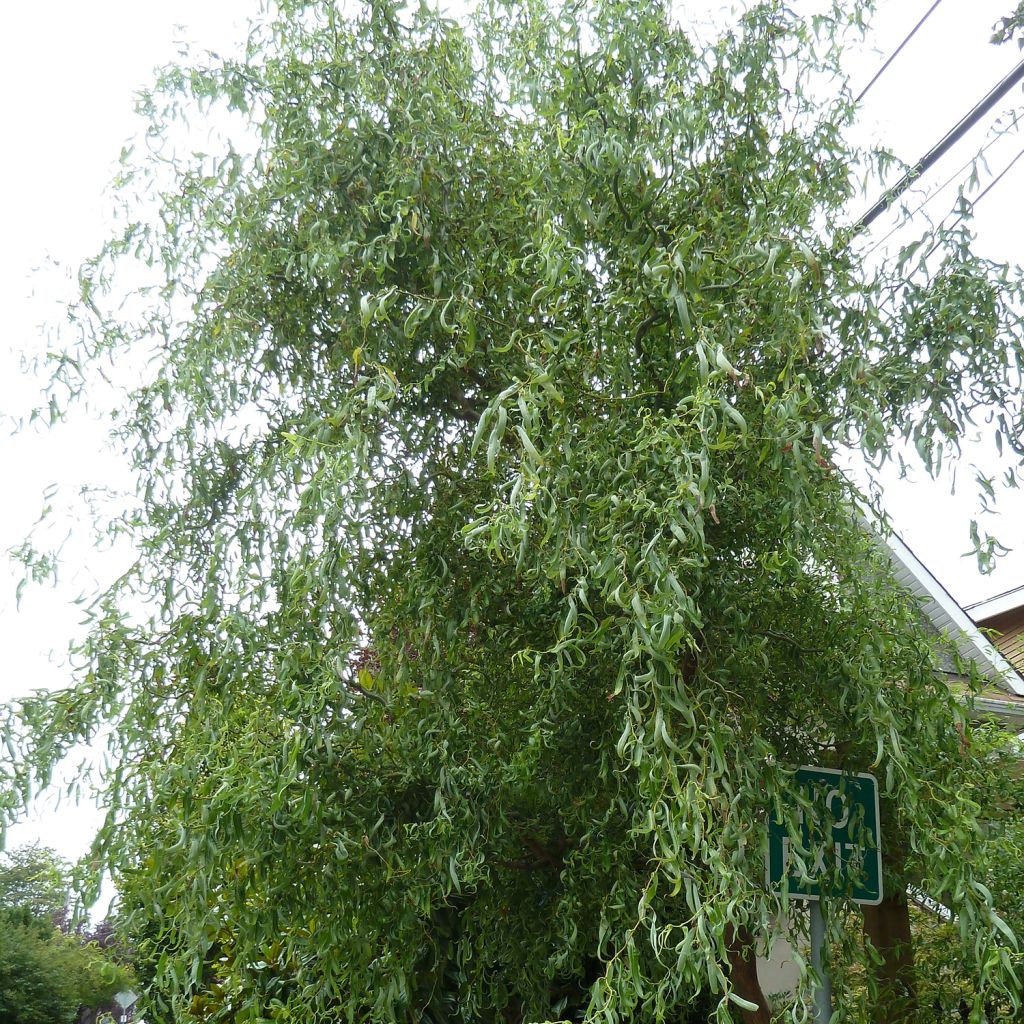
(494, 572)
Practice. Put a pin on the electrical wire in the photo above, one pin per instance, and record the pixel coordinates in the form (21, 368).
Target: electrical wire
(973, 203)
(895, 53)
(942, 188)
(995, 181)
(957, 132)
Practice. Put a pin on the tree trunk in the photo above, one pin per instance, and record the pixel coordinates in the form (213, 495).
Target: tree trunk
(743, 974)
(888, 928)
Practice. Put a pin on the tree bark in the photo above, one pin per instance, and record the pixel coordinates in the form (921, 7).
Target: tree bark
(888, 928)
(743, 974)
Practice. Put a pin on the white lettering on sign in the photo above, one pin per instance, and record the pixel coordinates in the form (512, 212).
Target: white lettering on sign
(845, 854)
(841, 818)
(836, 839)
(844, 817)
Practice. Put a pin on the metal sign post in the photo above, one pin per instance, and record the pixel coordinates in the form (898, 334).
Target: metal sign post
(840, 839)
(823, 993)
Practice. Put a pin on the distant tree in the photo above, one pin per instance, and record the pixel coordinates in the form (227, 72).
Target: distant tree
(36, 986)
(36, 879)
(47, 976)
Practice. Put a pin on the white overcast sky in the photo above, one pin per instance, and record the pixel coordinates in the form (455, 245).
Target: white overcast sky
(68, 71)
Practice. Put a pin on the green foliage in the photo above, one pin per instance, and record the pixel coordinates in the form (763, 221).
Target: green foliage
(494, 572)
(37, 983)
(945, 987)
(46, 976)
(38, 881)
(948, 977)
(1007, 28)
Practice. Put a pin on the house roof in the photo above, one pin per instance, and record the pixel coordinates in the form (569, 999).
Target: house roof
(947, 616)
(1004, 615)
(1008, 601)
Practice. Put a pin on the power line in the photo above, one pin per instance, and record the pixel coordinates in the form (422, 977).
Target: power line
(949, 181)
(895, 53)
(973, 203)
(968, 121)
(995, 181)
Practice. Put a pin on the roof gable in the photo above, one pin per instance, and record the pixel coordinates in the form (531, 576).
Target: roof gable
(947, 616)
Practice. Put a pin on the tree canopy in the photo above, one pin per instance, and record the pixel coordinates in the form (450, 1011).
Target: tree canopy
(38, 880)
(494, 569)
(46, 975)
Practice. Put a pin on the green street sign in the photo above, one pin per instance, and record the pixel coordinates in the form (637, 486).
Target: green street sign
(842, 831)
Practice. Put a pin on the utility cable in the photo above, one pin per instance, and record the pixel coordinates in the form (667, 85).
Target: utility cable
(895, 53)
(973, 203)
(995, 181)
(964, 125)
(935, 193)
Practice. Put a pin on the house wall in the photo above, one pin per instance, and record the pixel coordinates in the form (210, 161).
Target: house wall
(781, 973)
(1009, 639)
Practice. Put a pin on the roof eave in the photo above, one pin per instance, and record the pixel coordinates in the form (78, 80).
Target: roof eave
(944, 613)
